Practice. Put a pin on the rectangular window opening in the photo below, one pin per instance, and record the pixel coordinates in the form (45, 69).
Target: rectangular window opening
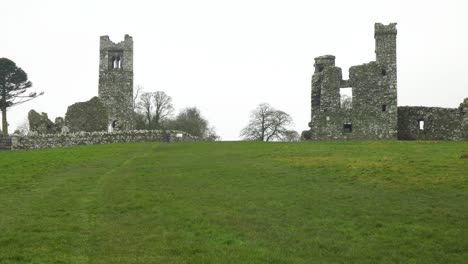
(421, 124)
(347, 127)
(346, 98)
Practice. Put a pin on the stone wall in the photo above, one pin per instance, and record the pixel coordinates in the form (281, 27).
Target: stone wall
(39, 141)
(374, 105)
(431, 123)
(89, 116)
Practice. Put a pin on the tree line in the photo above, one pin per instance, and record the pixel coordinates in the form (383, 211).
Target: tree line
(154, 110)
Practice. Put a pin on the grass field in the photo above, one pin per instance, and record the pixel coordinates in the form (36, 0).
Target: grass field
(236, 202)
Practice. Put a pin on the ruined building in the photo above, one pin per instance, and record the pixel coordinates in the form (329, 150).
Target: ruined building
(116, 81)
(373, 112)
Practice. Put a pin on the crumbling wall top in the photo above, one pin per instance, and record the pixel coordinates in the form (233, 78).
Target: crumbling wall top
(107, 44)
(325, 58)
(464, 106)
(381, 29)
(324, 61)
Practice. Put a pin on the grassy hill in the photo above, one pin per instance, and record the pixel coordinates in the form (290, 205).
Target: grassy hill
(236, 202)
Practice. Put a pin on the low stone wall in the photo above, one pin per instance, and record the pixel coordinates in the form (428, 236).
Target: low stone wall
(438, 123)
(91, 138)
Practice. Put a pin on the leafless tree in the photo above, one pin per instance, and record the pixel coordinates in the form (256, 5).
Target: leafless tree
(145, 105)
(211, 135)
(280, 121)
(163, 108)
(266, 124)
(138, 90)
(259, 123)
(346, 102)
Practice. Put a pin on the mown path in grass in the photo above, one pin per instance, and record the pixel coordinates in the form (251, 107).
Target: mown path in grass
(236, 202)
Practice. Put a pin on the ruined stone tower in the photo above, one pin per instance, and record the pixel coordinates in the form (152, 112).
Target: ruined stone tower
(116, 81)
(372, 112)
(385, 51)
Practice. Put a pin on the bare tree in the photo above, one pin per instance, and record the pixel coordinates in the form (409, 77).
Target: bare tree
(259, 123)
(145, 105)
(210, 134)
(346, 102)
(266, 124)
(279, 125)
(163, 108)
(138, 90)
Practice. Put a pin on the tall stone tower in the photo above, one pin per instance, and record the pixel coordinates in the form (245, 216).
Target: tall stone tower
(116, 81)
(386, 56)
(385, 50)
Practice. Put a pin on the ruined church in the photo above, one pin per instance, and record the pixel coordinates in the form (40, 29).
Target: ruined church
(372, 112)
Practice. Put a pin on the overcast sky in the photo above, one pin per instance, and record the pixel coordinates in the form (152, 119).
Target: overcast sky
(226, 57)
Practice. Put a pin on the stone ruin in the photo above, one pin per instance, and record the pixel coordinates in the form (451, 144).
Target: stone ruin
(90, 116)
(40, 123)
(113, 109)
(87, 116)
(373, 112)
(88, 123)
(116, 82)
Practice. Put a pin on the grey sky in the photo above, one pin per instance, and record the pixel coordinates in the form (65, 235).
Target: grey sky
(226, 57)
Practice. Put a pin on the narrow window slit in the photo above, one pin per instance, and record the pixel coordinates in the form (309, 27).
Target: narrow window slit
(347, 127)
(421, 124)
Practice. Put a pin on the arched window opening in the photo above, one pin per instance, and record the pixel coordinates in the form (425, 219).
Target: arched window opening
(111, 62)
(119, 63)
(114, 63)
(115, 59)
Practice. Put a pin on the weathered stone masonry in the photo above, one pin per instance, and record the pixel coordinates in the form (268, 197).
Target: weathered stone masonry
(433, 123)
(374, 113)
(40, 141)
(116, 81)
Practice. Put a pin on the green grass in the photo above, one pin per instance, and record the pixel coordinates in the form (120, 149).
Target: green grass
(236, 202)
